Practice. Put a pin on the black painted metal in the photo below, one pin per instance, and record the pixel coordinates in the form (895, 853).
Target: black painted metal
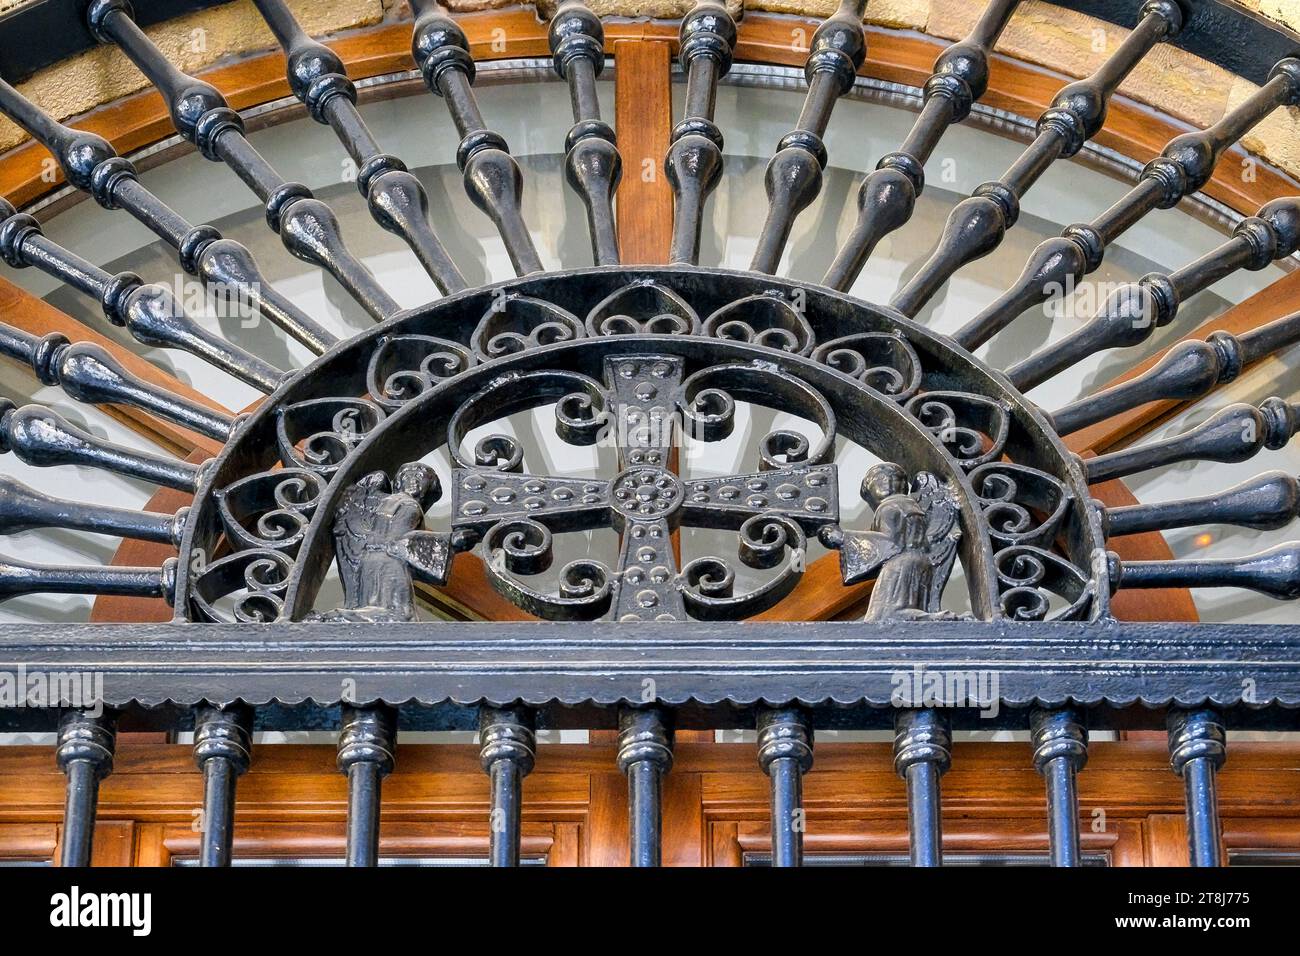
(977, 225)
(922, 755)
(785, 752)
(492, 177)
(328, 470)
(1060, 742)
(509, 748)
(226, 267)
(1183, 167)
(308, 227)
(84, 753)
(1197, 749)
(592, 163)
(794, 174)
(222, 749)
(645, 754)
(367, 742)
(397, 199)
(888, 194)
(694, 161)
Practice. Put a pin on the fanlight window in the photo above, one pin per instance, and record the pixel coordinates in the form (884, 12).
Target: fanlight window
(847, 391)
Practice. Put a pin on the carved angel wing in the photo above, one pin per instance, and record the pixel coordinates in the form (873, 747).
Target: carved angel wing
(863, 552)
(942, 530)
(353, 522)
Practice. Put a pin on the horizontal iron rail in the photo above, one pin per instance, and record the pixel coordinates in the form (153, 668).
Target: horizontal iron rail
(848, 675)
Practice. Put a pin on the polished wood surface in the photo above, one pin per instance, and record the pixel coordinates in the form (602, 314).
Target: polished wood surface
(643, 116)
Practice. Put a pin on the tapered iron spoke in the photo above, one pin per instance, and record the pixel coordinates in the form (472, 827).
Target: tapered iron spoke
(977, 225)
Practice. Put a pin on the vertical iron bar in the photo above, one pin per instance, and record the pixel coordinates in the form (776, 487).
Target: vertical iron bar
(645, 754)
(922, 754)
(592, 163)
(1060, 750)
(508, 751)
(223, 739)
(366, 744)
(1197, 749)
(785, 752)
(84, 752)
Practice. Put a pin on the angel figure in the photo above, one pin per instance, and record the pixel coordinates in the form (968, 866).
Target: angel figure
(910, 548)
(379, 544)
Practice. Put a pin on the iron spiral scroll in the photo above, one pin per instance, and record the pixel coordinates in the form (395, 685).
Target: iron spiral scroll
(332, 469)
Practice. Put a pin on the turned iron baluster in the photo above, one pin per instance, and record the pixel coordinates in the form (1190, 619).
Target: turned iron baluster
(88, 373)
(40, 437)
(24, 509)
(922, 755)
(1236, 433)
(224, 266)
(887, 196)
(1268, 501)
(977, 225)
(84, 752)
(794, 174)
(645, 754)
(508, 751)
(395, 197)
(1197, 749)
(18, 579)
(1060, 742)
(493, 179)
(785, 752)
(1189, 370)
(1133, 312)
(1184, 166)
(592, 164)
(223, 738)
(307, 227)
(365, 754)
(693, 164)
(1274, 572)
(149, 312)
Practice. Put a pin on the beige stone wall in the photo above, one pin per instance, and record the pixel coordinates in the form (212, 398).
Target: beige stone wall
(1170, 80)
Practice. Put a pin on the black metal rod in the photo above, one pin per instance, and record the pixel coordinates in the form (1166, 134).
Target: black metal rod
(693, 163)
(922, 754)
(645, 754)
(90, 164)
(492, 176)
(23, 508)
(17, 579)
(40, 437)
(1060, 750)
(785, 752)
(887, 196)
(308, 228)
(1268, 501)
(794, 174)
(592, 162)
(396, 199)
(1275, 572)
(84, 752)
(978, 225)
(1197, 749)
(365, 754)
(1235, 433)
(508, 751)
(222, 750)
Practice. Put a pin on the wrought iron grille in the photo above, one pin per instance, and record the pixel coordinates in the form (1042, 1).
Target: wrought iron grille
(325, 476)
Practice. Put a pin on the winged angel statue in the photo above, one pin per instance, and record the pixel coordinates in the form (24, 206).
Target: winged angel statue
(380, 545)
(910, 548)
